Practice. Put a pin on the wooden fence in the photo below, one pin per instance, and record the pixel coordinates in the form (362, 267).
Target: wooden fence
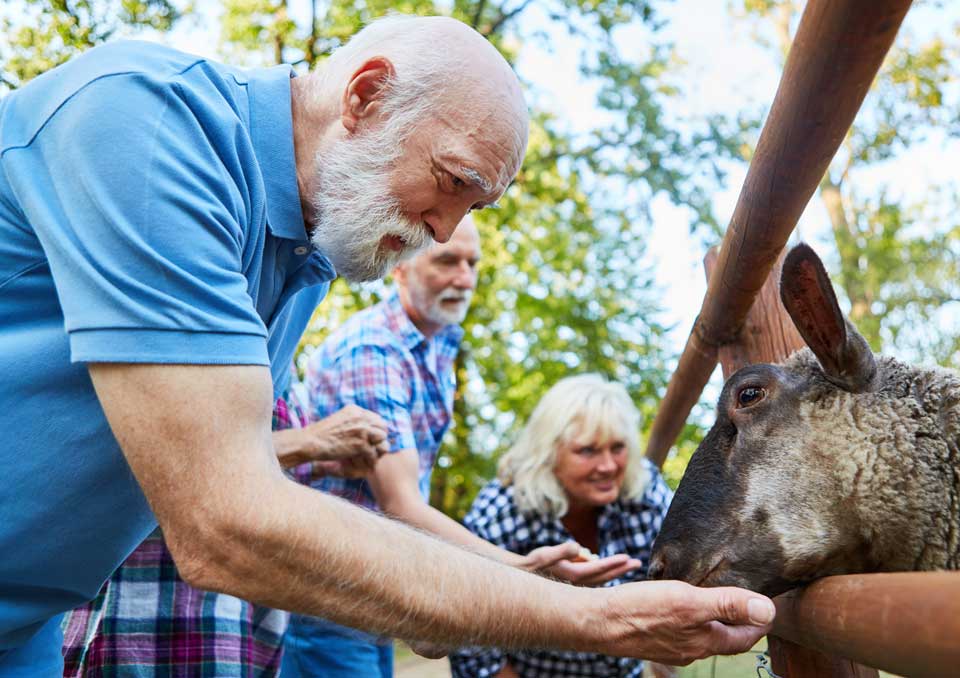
(906, 623)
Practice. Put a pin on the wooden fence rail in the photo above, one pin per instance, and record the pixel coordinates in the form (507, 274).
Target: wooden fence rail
(907, 623)
(837, 51)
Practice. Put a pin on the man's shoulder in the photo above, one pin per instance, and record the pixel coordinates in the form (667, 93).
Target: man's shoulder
(368, 328)
(121, 64)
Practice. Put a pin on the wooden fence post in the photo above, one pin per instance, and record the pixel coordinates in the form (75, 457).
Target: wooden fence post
(769, 336)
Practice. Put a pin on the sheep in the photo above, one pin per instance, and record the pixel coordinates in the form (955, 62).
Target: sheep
(836, 461)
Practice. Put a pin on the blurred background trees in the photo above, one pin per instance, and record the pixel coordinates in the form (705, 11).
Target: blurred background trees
(566, 283)
(895, 255)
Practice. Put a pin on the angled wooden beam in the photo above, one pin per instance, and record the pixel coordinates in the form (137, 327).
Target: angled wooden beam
(838, 49)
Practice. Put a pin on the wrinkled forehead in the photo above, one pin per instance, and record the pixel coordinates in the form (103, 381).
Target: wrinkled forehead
(487, 140)
(463, 244)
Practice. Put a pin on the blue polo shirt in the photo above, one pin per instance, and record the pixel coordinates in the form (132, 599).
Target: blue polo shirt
(149, 213)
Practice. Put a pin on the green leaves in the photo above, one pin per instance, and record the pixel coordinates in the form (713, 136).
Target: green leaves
(565, 283)
(41, 35)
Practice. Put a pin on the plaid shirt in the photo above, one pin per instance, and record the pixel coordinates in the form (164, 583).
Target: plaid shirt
(625, 526)
(380, 361)
(146, 622)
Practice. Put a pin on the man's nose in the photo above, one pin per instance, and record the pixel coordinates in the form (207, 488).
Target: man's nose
(442, 227)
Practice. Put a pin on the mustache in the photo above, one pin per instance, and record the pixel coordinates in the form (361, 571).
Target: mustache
(455, 295)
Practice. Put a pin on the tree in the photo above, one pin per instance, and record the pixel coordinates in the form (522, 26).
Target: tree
(898, 255)
(41, 35)
(563, 287)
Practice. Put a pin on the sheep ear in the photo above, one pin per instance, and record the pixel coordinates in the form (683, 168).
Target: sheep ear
(808, 296)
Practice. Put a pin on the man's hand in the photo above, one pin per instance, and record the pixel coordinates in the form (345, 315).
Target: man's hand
(674, 623)
(556, 562)
(347, 443)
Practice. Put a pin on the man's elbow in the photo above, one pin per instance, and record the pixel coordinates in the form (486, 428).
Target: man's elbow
(195, 553)
(208, 551)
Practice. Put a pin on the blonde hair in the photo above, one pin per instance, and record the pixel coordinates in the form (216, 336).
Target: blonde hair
(584, 405)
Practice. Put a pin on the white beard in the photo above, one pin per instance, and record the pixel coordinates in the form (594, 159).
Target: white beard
(434, 310)
(353, 207)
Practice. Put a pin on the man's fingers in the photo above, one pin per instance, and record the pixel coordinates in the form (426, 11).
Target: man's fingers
(375, 421)
(731, 639)
(734, 606)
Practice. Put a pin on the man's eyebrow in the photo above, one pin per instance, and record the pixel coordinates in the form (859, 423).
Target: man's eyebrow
(477, 179)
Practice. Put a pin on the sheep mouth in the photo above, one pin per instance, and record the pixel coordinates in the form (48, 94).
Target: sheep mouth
(716, 572)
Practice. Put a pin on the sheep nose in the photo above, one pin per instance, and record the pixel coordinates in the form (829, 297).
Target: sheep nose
(658, 565)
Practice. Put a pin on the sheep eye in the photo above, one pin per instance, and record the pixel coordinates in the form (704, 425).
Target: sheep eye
(750, 395)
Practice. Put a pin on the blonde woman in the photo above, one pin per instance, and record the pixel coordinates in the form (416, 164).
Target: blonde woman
(576, 472)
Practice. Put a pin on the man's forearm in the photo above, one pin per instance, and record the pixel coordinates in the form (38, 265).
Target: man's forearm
(297, 549)
(290, 446)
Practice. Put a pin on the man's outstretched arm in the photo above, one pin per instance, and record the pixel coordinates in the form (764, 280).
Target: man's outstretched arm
(394, 481)
(198, 441)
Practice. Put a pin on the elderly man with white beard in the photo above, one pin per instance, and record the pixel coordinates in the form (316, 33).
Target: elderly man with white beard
(167, 226)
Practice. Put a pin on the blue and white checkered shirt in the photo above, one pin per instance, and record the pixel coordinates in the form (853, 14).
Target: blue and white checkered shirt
(625, 526)
(380, 361)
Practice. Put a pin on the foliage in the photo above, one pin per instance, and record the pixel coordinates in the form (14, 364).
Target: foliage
(896, 255)
(565, 285)
(42, 35)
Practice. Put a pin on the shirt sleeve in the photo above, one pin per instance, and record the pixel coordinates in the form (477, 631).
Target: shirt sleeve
(138, 198)
(375, 376)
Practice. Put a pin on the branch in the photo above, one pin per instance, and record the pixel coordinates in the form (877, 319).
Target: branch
(311, 52)
(505, 17)
(475, 22)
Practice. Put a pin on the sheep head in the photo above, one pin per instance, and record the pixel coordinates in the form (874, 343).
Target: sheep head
(769, 499)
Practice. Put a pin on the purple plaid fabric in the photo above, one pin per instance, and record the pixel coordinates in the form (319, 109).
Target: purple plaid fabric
(146, 622)
(380, 361)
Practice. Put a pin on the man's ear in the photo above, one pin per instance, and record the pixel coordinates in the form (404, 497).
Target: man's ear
(363, 96)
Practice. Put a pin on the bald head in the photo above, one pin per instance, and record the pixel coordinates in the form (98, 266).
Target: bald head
(439, 58)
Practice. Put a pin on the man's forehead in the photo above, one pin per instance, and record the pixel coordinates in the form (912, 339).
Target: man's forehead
(488, 155)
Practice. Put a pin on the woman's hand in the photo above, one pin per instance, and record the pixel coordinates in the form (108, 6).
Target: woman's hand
(593, 572)
(557, 562)
(347, 443)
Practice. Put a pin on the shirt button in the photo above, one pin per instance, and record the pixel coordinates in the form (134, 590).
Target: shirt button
(300, 251)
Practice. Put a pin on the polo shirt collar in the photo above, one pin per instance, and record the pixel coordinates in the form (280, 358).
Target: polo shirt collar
(271, 129)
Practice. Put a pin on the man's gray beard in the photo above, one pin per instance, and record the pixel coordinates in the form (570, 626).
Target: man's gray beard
(438, 315)
(353, 207)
